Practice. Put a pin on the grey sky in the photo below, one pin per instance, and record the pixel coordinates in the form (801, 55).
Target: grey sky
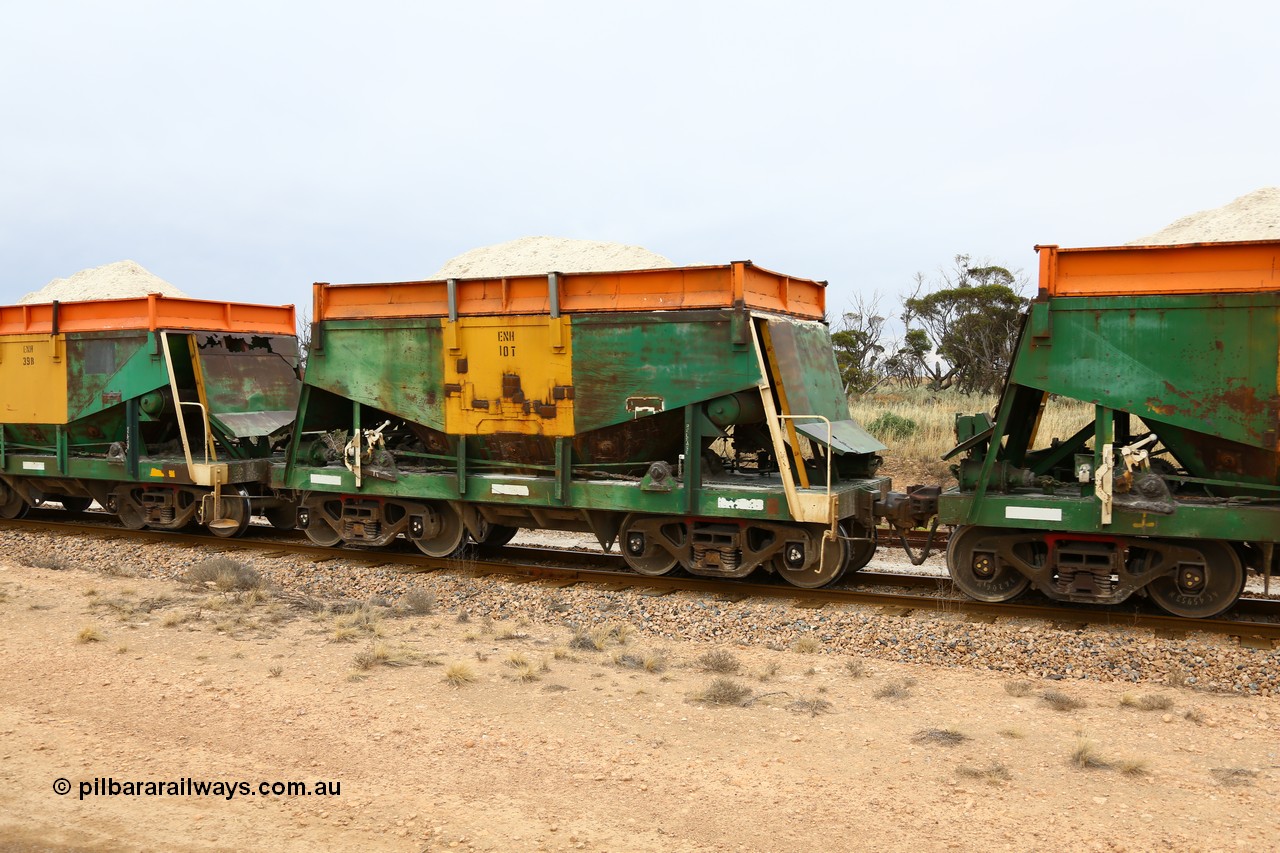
(244, 150)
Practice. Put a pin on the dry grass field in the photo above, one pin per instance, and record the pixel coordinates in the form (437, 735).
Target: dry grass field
(916, 447)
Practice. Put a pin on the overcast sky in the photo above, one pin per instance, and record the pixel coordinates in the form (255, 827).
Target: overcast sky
(244, 150)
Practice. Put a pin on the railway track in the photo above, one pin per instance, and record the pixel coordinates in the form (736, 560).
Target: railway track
(1255, 621)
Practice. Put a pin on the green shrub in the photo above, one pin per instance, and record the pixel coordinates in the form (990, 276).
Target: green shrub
(891, 427)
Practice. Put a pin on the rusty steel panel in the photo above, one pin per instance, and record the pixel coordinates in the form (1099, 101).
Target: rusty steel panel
(633, 365)
(804, 362)
(393, 365)
(250, 381)
(1200, 369)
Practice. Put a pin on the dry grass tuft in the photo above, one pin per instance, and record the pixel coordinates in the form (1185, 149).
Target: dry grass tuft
(515, 660)
(458, 675)
(807, 645)
(88, 634)
(856, 667)
(812, 707)
(45, 561)
(524, 672)
(724, 691)
(1146, 702)
(173, 619)
(121, 649)
(1133, 766)
(275, 671)
(771, 669)
(655, 661)
(898, 688)
(1233, 777)
(722, 661)
(942, 737)
(995, 772)
(1177, 677)
(1086, 757)
(365, 620)
(1013, 734)
(1021, 687)
(1194, 715)
(225, 574)
(1059, 701)
(510, 633)
(584, 641)
(383, 655)
(561, 653)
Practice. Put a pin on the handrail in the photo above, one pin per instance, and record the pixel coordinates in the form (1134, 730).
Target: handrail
(826, 421)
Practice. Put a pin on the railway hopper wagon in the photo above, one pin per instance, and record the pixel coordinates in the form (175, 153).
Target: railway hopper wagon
(693, 415)
(1172, 489)
(165, 411)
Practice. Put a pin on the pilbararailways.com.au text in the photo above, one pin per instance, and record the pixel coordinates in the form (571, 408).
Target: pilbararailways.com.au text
(188, 787)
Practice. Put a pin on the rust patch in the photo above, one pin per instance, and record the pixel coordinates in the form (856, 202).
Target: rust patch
(1236, 398)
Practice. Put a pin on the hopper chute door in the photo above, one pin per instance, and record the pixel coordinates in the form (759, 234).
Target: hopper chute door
(194, 431)
(784, 409)
(247, 383)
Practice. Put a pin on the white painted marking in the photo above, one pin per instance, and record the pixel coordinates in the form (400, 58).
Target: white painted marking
(1033, 513)
(745, 504)
(32, 466)
(327, 479)
(507, 489)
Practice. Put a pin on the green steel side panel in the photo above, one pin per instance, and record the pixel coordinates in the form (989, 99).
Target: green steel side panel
(806, 364)
(104, 369)
(846, 436)
(722, 501)
(1204, 363)
(678, 357)
(170, 470)
(1241, 523)
(393, 365)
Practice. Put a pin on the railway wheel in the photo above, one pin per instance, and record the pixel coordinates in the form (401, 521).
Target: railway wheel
(126, 509)
(649, 543)
(322, 534)
(860, 553)
(831, 564)
(976, 568)
(449, 535)
(494, 535)
(235, 511)
(75, 503)
(1201, 590)
(11, 503)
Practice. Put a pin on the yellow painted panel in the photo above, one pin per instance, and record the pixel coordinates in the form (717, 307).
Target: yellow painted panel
(518, 365)
(33, 379)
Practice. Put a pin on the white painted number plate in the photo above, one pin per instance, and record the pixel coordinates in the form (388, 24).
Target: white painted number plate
(1033, 513)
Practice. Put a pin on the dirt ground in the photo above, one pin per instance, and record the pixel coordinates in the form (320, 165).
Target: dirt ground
(558, 747)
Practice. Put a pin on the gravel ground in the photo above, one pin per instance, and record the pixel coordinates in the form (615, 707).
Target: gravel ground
(943, 639)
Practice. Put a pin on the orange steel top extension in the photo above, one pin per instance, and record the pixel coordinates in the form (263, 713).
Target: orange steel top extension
(150, 312)
(727, 286)
(1241, 267)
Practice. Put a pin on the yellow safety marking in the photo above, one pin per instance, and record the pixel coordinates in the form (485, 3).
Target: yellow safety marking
(536, 350)
(156, 472)
(33, 375)
(767, 340)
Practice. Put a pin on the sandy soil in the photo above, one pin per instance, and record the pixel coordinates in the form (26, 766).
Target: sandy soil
(135, 680)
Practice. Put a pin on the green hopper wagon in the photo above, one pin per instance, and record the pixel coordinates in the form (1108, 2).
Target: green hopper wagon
(1171, 489)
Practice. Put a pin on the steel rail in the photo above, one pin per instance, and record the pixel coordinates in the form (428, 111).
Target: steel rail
(557, 567)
